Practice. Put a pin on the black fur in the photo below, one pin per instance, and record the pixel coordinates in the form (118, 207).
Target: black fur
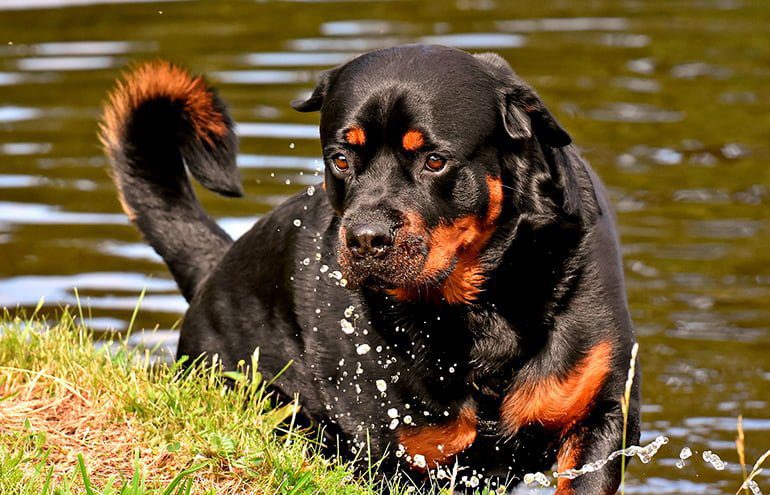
(553, 285)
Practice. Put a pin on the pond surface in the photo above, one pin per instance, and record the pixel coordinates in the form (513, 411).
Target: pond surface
(669, 101)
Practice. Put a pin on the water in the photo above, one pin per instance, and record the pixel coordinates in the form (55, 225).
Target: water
(669, 101)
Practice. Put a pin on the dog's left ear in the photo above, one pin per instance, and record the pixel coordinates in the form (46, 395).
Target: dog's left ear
(315, 101)
(523, 111)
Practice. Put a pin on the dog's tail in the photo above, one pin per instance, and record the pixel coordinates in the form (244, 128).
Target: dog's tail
(159, 121)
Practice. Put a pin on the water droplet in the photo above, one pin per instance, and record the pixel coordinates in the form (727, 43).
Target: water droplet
(537, 477)
(311, 190)
(362, 349)
(400, 451)
(753, 486)
(714, 460)
(381, 385)
(346, 327)
(297, 222)
(685, 453)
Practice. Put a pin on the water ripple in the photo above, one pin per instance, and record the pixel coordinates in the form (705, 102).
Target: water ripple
(476, 40)
(70, 48)
(297, 59)
(264, 76)
(364, 28)
(277, 130)
(16, 114)
(635, 112)
(39, 214)
(48, 4)
(39, 64)
(570, 24)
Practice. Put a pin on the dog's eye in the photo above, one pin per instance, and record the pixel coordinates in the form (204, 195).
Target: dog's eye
(435, 163)
(341, 162)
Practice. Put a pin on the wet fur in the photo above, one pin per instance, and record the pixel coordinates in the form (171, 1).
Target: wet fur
(522, 368)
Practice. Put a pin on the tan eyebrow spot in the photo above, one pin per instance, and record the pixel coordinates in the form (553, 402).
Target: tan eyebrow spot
(413, 140)
(356, 136)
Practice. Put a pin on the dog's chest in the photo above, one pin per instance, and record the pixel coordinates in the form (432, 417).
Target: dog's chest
(403, 374)
(410, 374)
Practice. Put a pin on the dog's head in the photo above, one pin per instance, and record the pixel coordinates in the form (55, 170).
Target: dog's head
(428, 150)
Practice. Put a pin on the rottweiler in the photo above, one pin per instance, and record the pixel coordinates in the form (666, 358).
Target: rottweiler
(451, 294)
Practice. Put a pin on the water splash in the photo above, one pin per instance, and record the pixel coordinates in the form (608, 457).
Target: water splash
(645, 454)
(753, 486)
(684, 454)
(714, 460)
(538, 477)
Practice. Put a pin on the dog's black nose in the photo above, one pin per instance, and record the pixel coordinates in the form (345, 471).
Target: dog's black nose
(369, 239)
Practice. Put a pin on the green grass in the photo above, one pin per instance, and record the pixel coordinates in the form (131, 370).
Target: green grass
(76, 418)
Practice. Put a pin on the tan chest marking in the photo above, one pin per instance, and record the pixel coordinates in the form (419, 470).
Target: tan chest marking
(438, 444)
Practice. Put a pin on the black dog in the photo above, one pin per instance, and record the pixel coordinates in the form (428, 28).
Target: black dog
(456, 294)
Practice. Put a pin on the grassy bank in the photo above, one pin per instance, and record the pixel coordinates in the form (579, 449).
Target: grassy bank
(80, 418)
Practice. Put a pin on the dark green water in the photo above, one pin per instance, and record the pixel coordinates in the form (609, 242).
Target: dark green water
(669, 101)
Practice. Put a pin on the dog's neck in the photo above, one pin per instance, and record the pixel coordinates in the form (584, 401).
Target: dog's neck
(458, 350)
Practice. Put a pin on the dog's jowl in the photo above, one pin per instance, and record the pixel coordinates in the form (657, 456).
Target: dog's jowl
(454, 294)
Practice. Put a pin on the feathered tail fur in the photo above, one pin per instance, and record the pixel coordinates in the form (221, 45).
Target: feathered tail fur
(159, 122)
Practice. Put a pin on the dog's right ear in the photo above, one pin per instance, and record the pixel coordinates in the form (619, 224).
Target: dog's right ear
(315, 101)
(524, 113)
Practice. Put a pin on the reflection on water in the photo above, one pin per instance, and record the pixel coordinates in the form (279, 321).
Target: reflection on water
(669, 101)
(13, 114)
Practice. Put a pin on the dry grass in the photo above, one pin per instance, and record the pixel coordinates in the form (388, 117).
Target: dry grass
(72, 424)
